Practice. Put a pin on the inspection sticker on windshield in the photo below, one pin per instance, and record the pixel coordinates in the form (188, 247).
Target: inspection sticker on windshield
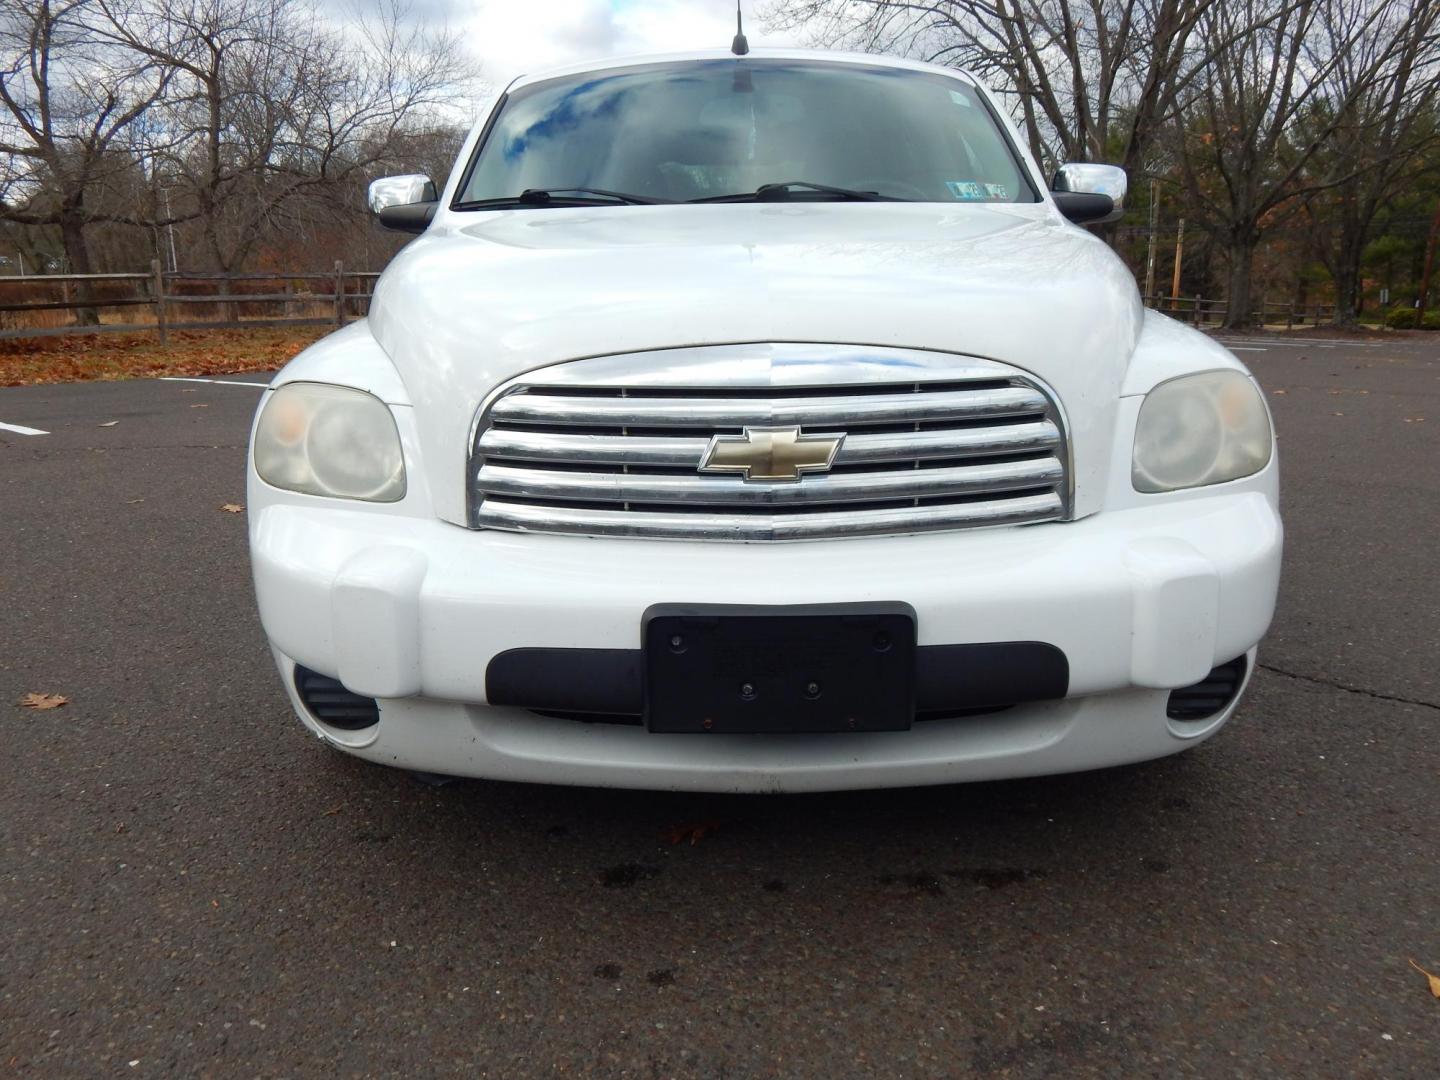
(967, 190)
(960, 99)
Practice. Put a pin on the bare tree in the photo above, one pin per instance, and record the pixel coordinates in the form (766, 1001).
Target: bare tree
(1091, 80)
(74, 105)
(1378, 145)
(1266, 104)
(270, 105)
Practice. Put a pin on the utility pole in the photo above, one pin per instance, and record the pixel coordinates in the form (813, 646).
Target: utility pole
(1175, 278)
(157, 285)
(1150, 258)
(1429, 264)
(170, 229)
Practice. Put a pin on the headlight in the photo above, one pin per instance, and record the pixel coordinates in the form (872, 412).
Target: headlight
(1200, 429)
(330, 440)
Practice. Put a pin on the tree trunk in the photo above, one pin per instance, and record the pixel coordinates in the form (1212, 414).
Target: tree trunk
(1347, 291)
(1346, 273)
(77, 253)
(1237, 298)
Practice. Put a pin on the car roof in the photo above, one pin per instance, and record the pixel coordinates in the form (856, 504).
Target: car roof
(858, 59)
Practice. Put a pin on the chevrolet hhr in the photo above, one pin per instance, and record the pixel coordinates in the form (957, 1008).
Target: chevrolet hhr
(760, 423)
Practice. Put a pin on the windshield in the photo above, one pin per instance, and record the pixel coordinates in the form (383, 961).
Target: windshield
(702, 129)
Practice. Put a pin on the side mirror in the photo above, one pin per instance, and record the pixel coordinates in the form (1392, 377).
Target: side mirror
(1090, 194)
(404, 203)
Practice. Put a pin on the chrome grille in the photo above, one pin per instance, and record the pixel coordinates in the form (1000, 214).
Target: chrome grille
(612, 446)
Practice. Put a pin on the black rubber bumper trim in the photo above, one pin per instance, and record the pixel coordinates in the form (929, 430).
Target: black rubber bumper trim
(611, 681)
(992, 673)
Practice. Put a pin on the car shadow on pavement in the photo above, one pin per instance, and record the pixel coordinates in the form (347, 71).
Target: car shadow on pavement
(1129, 823)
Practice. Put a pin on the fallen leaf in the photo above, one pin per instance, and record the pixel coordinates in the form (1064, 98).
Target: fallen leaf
(333, 810)
(132, 502)
(202, 405)
(109, 423)
(189, 353)
(43, 701)
(1414, 419)
(1279, 391)
(1434, 981)
(1337, 414)
(232, 508)
(693, 832)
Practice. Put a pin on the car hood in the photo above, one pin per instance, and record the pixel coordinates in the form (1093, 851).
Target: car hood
(483, 297)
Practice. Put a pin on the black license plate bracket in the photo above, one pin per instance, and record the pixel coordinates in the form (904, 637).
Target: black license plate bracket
(737, 669)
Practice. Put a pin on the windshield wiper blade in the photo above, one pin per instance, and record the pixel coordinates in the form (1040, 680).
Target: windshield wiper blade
(542, 197)
(780, 191)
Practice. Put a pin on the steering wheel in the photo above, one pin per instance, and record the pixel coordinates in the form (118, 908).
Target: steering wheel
(886, 185)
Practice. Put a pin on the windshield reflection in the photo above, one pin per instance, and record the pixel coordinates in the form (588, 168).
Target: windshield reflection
(703, 129)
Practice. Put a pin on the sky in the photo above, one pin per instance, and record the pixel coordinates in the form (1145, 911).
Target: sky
(512, 37)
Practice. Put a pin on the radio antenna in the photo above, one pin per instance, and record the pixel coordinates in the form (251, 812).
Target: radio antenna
(739, 46)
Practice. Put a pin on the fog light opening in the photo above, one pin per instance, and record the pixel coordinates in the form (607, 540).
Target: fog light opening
(331, 704)
(1211, 695)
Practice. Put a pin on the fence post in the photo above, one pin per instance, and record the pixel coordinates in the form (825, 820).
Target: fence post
(158, 277)
(1197, 318)
(339, 293)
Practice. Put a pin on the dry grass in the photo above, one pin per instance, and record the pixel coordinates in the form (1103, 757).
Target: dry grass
(136, 356)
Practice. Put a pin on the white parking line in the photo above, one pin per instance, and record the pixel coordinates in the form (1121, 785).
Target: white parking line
(217, 382)
(1245, 348)
(1340, 341)
(1301, 343)
(1231, 343)
(20, 430)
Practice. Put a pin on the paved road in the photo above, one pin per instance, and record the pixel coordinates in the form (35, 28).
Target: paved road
(191, 885)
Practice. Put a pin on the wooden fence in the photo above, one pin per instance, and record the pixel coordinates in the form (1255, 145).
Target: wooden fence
(172, 296)
(346, 293)
(1201, 312)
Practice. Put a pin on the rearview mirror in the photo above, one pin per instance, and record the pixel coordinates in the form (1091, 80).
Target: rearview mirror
(1090, 194)
(404, 203)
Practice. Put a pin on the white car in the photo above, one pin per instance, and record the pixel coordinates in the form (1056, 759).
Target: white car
(760, 423)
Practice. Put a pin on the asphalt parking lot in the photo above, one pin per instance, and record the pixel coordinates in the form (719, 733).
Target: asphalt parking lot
(191, 885)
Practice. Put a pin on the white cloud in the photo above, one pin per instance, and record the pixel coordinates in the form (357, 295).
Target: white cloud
(512, 37)
(515, 37)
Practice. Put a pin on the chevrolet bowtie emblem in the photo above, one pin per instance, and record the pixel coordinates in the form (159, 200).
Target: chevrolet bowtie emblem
(771, 453)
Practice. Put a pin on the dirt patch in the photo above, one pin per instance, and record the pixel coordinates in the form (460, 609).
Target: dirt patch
(627, 874)
(25, 362)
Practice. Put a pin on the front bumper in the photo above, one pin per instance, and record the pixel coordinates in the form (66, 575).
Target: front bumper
(411, 610)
